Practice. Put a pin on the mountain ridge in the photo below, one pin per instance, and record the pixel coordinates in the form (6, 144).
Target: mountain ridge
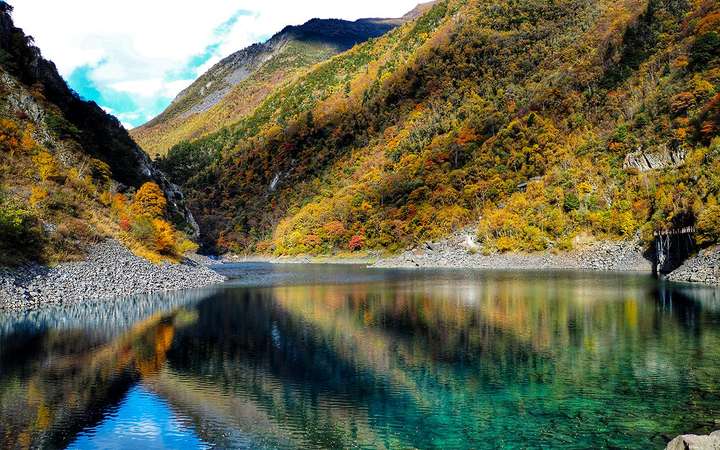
(294, 49)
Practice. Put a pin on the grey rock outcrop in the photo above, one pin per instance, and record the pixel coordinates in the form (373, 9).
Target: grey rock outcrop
(701, 268)
(661, 158)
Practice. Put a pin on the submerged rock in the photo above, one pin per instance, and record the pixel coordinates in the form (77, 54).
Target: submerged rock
(695, 442)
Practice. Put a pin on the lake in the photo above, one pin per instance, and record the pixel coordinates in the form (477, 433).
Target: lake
(312, 356)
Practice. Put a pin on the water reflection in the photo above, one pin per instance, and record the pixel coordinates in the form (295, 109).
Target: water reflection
(62, 369)
(344, 357)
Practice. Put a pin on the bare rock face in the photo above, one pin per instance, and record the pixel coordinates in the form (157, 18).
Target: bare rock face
(661, 158)
(694, 442)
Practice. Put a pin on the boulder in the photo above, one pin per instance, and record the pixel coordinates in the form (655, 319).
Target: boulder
(695, 442)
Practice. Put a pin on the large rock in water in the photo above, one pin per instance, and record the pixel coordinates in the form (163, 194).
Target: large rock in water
(694, 442)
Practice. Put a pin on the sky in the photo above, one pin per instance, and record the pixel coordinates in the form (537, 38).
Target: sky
(133, 57)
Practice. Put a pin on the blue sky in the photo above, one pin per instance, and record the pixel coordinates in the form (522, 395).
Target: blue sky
(134, 112)
(133, 57)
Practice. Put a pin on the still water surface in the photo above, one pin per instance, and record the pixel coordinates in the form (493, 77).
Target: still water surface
(347, 357)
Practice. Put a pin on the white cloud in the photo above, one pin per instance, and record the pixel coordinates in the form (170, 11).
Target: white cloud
(143, 47)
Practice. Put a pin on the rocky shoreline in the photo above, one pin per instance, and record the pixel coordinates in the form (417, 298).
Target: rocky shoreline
(701, 268)
(460, 251)
(110, 270)
(340, 260)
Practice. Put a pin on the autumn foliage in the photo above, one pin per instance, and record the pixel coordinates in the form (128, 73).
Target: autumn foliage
(142, 219)
(514, 118)
(69, 171)
(149, 201)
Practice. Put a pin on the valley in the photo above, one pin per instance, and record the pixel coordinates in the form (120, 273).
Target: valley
(543, 137)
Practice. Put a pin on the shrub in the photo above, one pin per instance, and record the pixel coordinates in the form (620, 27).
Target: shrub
(708, 225)
(62, 201)
(142, 230)
(118, 205)
(38, 196)
(106, 198)
(184, 245)
(159, 237)
(67, 242)
(20, 233)
(334, 230)
(46, 165)
(356, 243)
(9, 135)
(163, 237)
(125, 224)
(571, 202)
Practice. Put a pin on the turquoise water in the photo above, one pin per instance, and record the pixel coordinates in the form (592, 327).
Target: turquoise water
(347, 357)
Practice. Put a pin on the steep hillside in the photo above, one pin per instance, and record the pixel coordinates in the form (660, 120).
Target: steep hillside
(238, 83)
(66, 167)
(540, 123)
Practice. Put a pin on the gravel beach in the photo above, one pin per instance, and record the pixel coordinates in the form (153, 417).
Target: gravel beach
(110, 270)
(460, 251)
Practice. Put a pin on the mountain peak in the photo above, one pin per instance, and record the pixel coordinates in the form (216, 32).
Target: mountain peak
(285, 54)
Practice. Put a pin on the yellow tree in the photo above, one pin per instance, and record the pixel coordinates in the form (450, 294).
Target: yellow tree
(149, 201)
(164, 237)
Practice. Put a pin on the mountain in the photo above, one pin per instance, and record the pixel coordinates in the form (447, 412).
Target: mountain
(238, 83)
(537, 123)
(66, 166)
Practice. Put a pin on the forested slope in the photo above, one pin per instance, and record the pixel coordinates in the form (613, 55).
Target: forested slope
(69, 172)
(535, 121)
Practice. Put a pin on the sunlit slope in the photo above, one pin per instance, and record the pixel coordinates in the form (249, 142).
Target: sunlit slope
(536, 122)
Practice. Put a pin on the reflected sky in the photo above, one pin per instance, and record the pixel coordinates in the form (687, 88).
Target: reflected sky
(141, 420)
